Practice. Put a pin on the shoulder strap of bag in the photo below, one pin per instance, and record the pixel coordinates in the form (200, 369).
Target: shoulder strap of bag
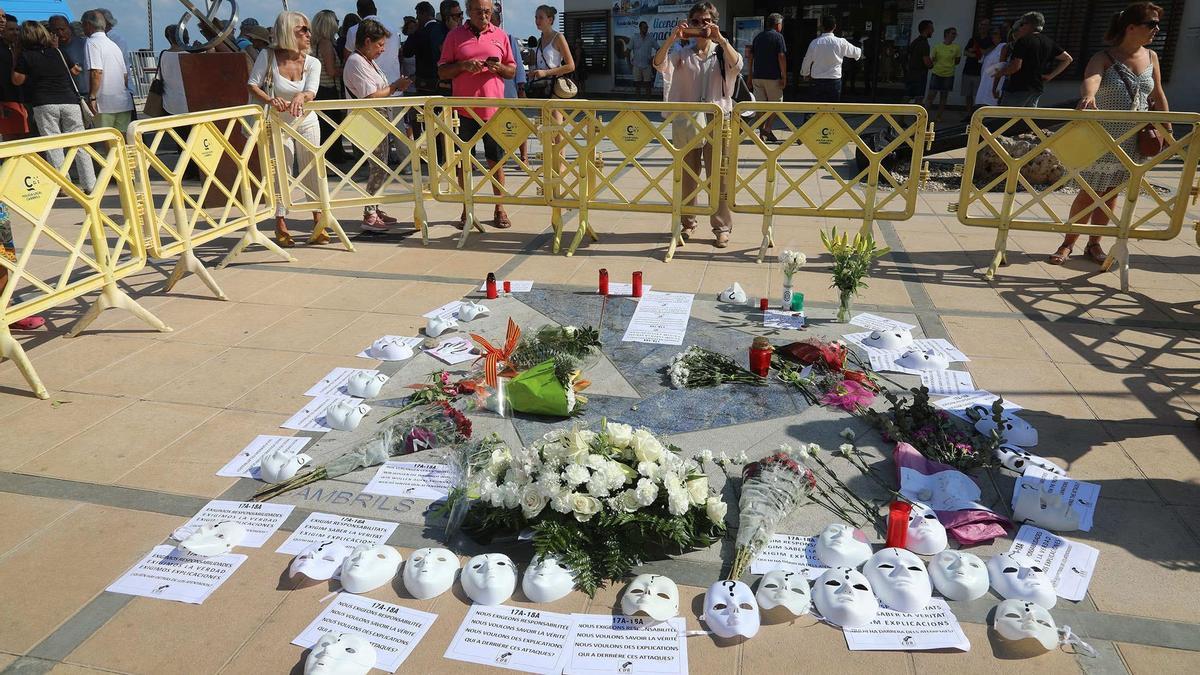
(1121, 76)
(69, 75)
(270, 76)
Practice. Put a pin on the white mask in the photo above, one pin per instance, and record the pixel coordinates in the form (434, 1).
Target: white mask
(1016, 459)
(468, 311)
(279, 465)
(926, 534)
(889, 340)
(959, 575)
(489, 578)
(391, 350)
(340, 654)
(730, 610)
(899, 579)
(1044, 507)
(840, 545)
(546, 580)
(319, 560)
(843, 596)
(1023, 620)
(1016, 431)
(345, 416)
(369, 567)
(1016, 581)
(362, 384)
(734, 294)
(437, 325)
(429, 572)
(790, 590)
(915, 359)
(215, 539)
(653, 595)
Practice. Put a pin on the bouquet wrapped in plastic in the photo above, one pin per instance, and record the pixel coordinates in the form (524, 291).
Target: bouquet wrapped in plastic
(772, 488)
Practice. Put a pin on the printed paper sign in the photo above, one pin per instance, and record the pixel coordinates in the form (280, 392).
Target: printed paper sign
(453, 351)
(412, 479)
(618, 288)
(660, 318)
(312, 416)
(947, 382)
(413, 342)
(885, 360)
(328, 527)
(245, 465)
(335, 382)
(882, 359)
(168, 573)
(528, 640)
(606, 644)
(514, 286)
(934, 627)
(446, 311)
(1069, 564)
(393, 630)
(876, 322)
(857, 340)
(261, 520)
(791, 553)
(777, 318)
(1080, 496)
(940, 346)
(957, 405)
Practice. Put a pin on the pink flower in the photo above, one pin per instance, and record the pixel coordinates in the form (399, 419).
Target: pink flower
(849, 396)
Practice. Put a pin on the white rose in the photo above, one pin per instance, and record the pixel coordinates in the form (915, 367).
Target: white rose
(677, 501)
(561, 502)
(698, 490)
(585, 507)
(500, 457)
(705, 456)
(532, 501)
(576, 474)
(628, 501)
(716, 509)
(620, 435)
(646, 447)
(646, 492)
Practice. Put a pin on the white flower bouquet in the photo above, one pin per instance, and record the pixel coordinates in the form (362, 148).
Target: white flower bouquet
(600, 502)
(699, 367)
(790, 262)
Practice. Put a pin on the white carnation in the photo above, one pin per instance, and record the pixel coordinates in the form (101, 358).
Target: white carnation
(561, 502)
(576, 474)
(848, 434)
(597, 486)
(646, 492)
(706, 456)
(677, 501)
(650, 470)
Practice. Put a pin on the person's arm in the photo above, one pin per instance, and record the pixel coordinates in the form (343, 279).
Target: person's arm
(18, 76)
(258, 78)
(661, 60)
(506, 67)
(449, 68)
(957, 57)
(409, 49)
(568, 65)
(807, 64)
(926, 56)
(750, 65)
(1061, 62)
(782, 57)
(733, 60)
(329, 62)
(1091, 81)
(1016, 58)
(850, 51)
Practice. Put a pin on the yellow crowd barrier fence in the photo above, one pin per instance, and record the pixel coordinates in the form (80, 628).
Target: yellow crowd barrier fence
(811, 171)
(218, 183)
(62, 256)
(1011, 183)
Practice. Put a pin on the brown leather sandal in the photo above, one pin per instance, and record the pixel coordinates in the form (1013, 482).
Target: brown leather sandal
(1095, 253)
(500, 219)
(1059, 257)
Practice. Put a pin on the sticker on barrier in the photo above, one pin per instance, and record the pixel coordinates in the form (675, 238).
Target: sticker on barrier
(1077, 172)
(853, 161)
(202, 176)
(60, 238)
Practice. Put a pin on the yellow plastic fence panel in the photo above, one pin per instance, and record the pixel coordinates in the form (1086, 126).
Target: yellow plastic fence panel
(201, 176)
(66, 241)
(309, 180)
(458, 127)
(829, 161)
(633, 156)
(1077, 171)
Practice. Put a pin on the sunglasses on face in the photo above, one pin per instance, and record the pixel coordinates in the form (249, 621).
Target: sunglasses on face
(1152, 25)
(303, 30)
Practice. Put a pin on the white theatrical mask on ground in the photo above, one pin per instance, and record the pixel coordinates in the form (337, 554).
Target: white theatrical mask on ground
(1014, 580)
(438, 325)
(844, 597)
(1044, 507)
(730, 610)
(546, 580)
(345, 416)
(319, 560)
(654, 595)
(734, 295)
(469, 311)
(340, 654)
(915, 359)
(892, 339)
(279, 465)
(369, 567)
(489, 578)
(1024, 620)
(388, 349)
(840, 545)
(429, 572)
(900, 579)
(790, 590)
(362, 384)
(1015, 431)
(926, 534)
(215, 539)
(1017, 459)
(958, 575)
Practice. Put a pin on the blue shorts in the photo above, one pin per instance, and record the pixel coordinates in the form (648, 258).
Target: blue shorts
(939, 83)
(915, 88)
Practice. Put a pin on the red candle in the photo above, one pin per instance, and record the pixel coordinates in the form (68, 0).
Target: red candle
(491, 286)
(760, 356)
(507, 286)
(897, 531)
(637, 284)
(762, 304)
(603, 288)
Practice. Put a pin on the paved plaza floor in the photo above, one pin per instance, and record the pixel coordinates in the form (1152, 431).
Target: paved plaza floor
(139, 422)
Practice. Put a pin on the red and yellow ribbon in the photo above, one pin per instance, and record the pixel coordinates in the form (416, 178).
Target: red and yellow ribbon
(493, 356)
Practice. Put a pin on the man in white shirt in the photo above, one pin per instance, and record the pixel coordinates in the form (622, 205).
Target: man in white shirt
(116, 37)
(366, 10)
(109, 96)
(641, 51)
(823, 62)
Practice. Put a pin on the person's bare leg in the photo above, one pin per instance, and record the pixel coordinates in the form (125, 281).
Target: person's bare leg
(1081, 202)
(500, 215)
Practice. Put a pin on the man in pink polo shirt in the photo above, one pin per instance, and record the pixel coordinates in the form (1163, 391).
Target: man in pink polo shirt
(477, 58)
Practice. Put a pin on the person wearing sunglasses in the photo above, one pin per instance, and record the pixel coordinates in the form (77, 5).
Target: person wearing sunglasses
(1125, 76)
(1035, 60)
(426, 45)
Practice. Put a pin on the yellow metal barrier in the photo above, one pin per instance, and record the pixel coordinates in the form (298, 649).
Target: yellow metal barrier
(811, 171)
(61, 258)
(1018, 139)
(368, 125)
(228, 150)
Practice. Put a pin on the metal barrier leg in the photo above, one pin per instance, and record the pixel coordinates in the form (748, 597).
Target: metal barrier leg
(556, 222)
(999, 258)
(188, 262)
(252, 235)
(1119, 254)
(768, 239)
(11, 349)
(112, 297)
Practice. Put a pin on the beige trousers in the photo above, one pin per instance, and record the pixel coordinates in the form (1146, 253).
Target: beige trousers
(722, 220)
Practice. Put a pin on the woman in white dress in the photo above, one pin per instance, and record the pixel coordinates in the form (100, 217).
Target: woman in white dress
(990, 65)
(286, 77)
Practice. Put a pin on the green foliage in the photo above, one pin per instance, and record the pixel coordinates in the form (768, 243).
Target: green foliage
(852, 259)
(933, 432)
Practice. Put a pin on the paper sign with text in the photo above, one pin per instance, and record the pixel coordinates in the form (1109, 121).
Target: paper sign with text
(312, 416)
(1069, 564)
(393, 630)
(1081, 496)
(605, 644)
(328, 527)
(261, 520)
(934, 627)
(516, 638)
(947, 382)
(446, 311)
(660, 318)
(791, 553)
(957, 405)
(335, 382)
(245, 465)
(369, 353)
(876, 322)
(453, 351)
(417, 480)
(777, 318)
(513, 286)
(168, 573)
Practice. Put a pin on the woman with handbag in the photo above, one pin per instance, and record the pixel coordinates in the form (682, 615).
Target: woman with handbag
(47, 76)
(553, 62)
(1123, 77)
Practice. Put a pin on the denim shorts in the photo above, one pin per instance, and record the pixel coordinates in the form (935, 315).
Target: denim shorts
(915, 88)
(939, 83)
